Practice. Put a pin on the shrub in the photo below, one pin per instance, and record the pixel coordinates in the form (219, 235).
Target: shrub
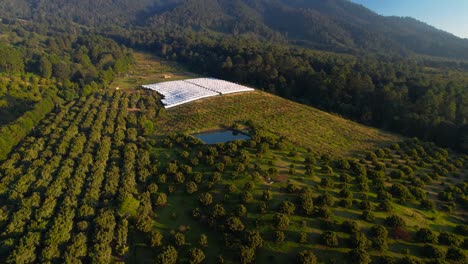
(386, 206)
(279, 236)
(306, 257)
(287, 207)
(329, 238)
(359, 240)
(433, 252)
(325, 212)
(253, 239)
(196, 256)
(179, 239)
(281, 221)
(424, 235)
(428, 205)
(366, 205)
(303, 238)
(246, 197)
(400, 191)
(346, 203)
(455, 254)
(350, 226)
(449, 239)
(325, 200)
(368, 215)
(205, 199)
(359, 256)
(397, 174)
(234, 224)
(395, 221)
(379, 235)
(326, 183)
(167, 256)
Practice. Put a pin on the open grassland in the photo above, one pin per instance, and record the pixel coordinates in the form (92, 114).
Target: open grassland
(150, 69)
(302, 125)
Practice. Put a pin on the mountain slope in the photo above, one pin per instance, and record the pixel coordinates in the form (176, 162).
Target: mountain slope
(338, 25)
(303, 125)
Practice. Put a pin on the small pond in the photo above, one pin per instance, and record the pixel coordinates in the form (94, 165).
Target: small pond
(220, 136)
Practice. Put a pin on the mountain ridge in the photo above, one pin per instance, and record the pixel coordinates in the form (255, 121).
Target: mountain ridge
(336, 25)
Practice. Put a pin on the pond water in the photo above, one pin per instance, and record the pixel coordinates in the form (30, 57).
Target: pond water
(215, 137)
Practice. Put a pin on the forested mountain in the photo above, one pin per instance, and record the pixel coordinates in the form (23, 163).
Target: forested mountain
(337, 25)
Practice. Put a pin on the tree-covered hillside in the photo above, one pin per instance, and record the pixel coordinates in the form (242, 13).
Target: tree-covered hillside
(41, 68)
(94, 170)
(337, 25)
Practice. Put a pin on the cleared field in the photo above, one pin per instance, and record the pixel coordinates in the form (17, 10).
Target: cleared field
(302, 125)
(150, 69)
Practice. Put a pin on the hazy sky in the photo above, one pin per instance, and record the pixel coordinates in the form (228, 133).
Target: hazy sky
(448, 15)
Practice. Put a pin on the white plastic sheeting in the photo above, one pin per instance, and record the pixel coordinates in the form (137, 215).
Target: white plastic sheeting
(220, 86)
(181, 92)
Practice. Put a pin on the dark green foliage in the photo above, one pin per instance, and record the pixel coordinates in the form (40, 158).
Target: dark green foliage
(400, 191)
(449, 239)
(306, 257)
(410, 260)
(433, 252)
(281, 221)
(234, 224)
(279, 236)
(179, 239)
(359, 240)
(287, 207)
(196, 256)
(350, 227)
(267, 195)
(368, 215)
(424, 235)
(247, 255)
(156, 239)
(455, 254)
(168, 255)
(329, 238)
(379, 236)
(205, 199)
(394, 221)
(253, 239)
(359, 256)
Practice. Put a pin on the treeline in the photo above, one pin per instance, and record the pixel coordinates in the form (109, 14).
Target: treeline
(13, 133)
(41, 66)
(395, 94)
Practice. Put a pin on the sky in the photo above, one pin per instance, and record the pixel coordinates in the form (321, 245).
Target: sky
(448, 15)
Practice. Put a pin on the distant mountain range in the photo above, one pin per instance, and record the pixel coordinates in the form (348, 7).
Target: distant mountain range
(337, 25)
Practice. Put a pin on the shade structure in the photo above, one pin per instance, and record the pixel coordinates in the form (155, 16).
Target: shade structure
(180, 92)
(220, 86)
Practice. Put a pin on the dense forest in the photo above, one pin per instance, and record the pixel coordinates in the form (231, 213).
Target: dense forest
(336, 25)
(415, 97)
(41, 70)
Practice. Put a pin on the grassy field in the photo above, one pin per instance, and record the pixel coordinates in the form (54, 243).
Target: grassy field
(150, 69)
(305, 126)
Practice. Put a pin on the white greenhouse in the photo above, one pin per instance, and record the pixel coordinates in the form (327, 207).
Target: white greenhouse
(181, 92)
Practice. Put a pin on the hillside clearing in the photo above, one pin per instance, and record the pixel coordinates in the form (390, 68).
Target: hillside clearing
(302, 125)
